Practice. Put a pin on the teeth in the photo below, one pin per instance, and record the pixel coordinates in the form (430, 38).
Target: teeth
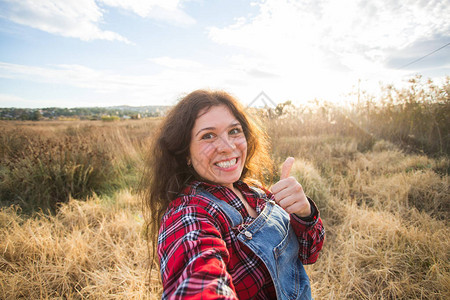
(227, 164)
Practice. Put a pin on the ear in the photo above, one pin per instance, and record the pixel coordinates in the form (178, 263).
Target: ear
(188, 161)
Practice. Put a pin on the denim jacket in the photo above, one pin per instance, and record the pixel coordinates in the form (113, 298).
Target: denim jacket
(271, 237)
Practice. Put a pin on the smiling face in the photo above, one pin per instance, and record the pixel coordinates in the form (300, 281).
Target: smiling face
(218, 146)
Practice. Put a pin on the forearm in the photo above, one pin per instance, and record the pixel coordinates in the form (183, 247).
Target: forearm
(205, 277)
(193, 260)
(310, 233)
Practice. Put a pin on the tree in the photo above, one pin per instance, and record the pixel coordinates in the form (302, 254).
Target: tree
(36, 115)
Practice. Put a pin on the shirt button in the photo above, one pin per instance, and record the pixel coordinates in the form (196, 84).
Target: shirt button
(248, 235)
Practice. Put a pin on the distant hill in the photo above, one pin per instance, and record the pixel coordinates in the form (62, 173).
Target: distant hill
(93, 113)
(142, 109)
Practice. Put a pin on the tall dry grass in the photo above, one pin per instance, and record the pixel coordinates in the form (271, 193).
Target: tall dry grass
(387, 231)
(44, 164)
(381, 184)
(416, 117)
(384, 201)
(90, 249)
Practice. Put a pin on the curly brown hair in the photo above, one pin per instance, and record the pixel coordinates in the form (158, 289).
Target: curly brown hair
(166, 171)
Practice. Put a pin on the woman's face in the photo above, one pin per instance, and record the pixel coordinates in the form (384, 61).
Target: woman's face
(218, 147)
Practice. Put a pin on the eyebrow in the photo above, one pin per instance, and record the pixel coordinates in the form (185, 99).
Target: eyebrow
(237, 123)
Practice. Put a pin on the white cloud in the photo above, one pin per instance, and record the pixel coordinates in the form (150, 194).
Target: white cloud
(107, 87)
(82, 18)
(322, 48)
(306, 36)
(164, 87)
(7, 100)
(167, 10)
(74, 75)
(77, 19)
(175, 63)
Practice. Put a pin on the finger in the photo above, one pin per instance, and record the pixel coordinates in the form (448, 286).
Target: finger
(290, 195)
(300, 209)
(281, 190)
(286, 201)
(286, 167)
(296, 205)
(282, 184)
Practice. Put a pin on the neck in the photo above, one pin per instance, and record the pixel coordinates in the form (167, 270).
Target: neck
(231, 187)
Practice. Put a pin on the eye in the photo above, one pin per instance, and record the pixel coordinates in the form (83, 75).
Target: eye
(235, 131)
(207, 136)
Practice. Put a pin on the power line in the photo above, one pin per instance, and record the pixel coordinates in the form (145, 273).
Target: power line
(414, 61)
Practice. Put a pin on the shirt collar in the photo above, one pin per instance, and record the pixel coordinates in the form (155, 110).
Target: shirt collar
(192, 187)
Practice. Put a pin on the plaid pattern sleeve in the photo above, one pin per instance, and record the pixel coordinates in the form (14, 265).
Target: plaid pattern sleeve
(193, 254)
(310, 234)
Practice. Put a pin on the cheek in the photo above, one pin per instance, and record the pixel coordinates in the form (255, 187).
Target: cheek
(242, 145)
(202, 152)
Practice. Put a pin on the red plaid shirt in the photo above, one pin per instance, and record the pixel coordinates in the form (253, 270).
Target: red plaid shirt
(201, 257)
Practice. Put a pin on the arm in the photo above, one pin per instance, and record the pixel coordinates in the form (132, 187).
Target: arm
(310, 233)
(305, 219)
(193, 256)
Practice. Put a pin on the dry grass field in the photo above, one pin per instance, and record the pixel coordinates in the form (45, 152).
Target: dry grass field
(71, 226)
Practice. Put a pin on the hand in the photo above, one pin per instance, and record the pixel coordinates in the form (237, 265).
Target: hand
(289, 193)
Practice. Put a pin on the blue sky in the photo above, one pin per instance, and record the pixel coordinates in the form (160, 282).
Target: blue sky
(78, 53)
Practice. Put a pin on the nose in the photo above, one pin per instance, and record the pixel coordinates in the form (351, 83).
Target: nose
(225, 144)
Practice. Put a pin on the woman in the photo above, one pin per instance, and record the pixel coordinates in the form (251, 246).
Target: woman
(221, 234)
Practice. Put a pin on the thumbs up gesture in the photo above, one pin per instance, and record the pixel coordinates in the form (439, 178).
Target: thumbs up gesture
(289, 193)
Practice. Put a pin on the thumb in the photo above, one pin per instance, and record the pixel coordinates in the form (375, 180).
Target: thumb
(286, 167)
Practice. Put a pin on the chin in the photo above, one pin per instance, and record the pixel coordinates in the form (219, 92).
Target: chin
(227, 181)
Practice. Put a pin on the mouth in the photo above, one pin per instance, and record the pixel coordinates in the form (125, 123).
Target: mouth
(227, 163)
